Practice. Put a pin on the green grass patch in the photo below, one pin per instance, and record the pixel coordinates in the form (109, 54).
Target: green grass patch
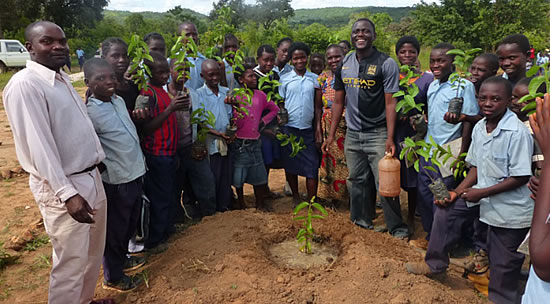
(79, 84)
(36, 243)
(6, 258)
(4, 78)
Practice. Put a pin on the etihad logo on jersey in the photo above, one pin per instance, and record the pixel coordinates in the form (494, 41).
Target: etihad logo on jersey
(359, 83)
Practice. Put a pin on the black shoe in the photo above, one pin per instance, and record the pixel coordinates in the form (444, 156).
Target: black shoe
(125, 284)
(133, 263)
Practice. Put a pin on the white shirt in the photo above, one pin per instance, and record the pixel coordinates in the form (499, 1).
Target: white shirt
(536, 291)
(54, 138)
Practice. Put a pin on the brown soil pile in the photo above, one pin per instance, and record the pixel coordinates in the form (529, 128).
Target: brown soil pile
(224, 259)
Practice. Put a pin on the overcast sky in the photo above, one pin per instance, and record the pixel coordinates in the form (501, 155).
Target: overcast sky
(204, 6)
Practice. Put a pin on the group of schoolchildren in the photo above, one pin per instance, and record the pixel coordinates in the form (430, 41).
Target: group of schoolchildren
(150, 150)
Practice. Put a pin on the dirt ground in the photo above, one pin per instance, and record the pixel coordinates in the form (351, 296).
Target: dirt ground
(225, 259)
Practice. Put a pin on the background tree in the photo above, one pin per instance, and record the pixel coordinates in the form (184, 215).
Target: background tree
(266, 12)
(239, 11)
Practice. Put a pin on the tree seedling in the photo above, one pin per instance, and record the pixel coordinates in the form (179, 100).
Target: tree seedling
(139, 52)
(305, 234)
(534, 85)
(408, 91)
(182, 49)
(204, 120)
(462, 60)
(437, 155)
(271, 85)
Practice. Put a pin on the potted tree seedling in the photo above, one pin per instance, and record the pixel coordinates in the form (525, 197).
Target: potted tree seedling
(534, 86)
(266, 83)
(433, 152)
(240, 97)
(204, 120)
(462, 60)
(408, 92)
(138, 51)
(306, 233)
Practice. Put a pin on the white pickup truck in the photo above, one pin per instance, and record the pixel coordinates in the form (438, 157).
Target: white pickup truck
(12, 55)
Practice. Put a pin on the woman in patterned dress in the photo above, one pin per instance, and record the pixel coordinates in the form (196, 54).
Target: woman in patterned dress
(334, 170)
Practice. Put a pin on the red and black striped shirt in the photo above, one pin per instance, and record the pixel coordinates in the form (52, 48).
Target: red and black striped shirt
(163, 141)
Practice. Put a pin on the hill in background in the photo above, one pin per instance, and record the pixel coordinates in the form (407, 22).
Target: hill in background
(329, 16)
(339, 16)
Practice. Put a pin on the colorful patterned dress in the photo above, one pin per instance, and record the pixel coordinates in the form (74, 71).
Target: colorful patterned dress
(334, 170)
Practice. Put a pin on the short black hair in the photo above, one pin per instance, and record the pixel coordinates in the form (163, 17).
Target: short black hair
(153, 36)
(334, 45)
(492, 61)
(519, 39)
(500, 80)
(283, 40)
(347, 43)
(91, 65)
(31, 27)
(444, 46)
(240, 70)
(183, 24)
(109, 42)
(230, 36)
(365, 20)
(250, 60)
(317, 55)
(407, 39)
(265, 48)
(525, 82)
(157, 58)
(298, 46)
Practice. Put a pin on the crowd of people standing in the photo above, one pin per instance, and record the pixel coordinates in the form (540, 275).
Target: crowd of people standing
(93, 164)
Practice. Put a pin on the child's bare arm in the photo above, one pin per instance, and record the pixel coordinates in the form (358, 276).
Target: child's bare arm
(539, 241)
(178, 103)
(512, 182)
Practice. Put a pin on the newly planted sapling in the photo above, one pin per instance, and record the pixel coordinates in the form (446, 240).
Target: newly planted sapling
(534, 86)
(305, 235)
(139, 52)
(204, 120)
(462, 61)
(407, 93)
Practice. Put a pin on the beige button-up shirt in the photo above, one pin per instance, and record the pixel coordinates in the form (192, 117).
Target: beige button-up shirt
(54, 138)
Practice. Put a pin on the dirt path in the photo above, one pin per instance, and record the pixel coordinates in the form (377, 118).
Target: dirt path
(224, 258)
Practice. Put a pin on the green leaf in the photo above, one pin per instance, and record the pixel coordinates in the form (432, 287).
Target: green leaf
(430, 168)
(416, 165)
(316, 216)
(532, 71)
(299, 218)
(409, 142)
(398, 94)
(456, 52)
(300, 206)
(320, 208)
(534, 85)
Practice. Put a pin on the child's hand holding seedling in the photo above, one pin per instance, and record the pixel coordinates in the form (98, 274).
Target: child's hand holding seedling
(179, 103)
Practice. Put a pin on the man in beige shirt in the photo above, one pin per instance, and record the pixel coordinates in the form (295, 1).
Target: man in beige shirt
(56, 143)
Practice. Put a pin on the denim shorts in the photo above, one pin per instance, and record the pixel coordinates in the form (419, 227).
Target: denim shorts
(248, 164)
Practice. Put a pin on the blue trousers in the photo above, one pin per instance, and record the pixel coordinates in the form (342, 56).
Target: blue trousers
(425, 199)
(363, 151)
(195, 179)
(505, 263)
(447, 231)
(159, 188)
(123, 207)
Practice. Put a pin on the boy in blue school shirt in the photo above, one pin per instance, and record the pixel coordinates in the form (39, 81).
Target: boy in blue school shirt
(440, 92)
(500, 156)
(189, 30)
(211, 97)
(301, 92)
(124, 167)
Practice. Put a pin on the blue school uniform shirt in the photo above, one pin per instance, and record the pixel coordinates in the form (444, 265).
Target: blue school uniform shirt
(195, 81)
(505, 152)
(286, 69)
(230, 76)
(299, 95)
(204, 98)
(439, 95)
(118, 136)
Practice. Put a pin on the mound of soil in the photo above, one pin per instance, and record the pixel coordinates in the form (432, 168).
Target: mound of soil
(225, 259)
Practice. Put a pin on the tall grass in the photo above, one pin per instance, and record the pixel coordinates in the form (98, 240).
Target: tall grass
(4, 78)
